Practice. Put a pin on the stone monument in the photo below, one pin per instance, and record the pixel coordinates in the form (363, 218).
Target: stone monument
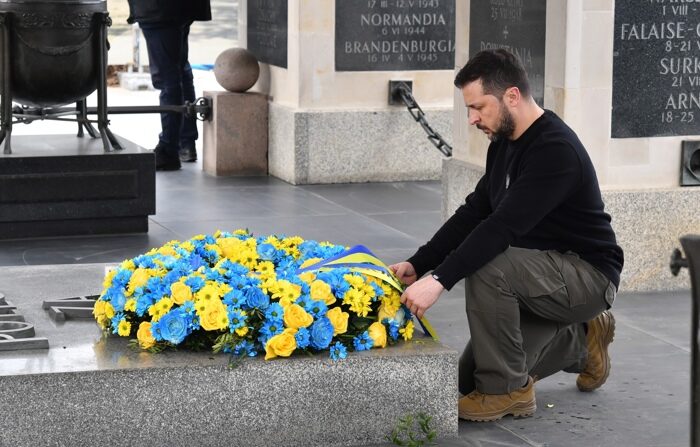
(327, 65)
(623, 77)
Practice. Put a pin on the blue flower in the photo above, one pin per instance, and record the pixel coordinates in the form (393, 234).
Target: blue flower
(302, 338)
(245, 347)
(171, 327)
(338, 351)
(256, 298)
(363, 342)
(275, 312)
(236, 319)
(270, 329)
(393, 329)
(321, 333)
(267, 252)
(378, 291)
(195, 283)
(118, 300)
(121, 279)
(317, 309)
(195, 261)
(234, 298)
(115, 322)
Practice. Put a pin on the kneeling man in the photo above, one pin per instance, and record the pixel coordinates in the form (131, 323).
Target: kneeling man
(539, 255)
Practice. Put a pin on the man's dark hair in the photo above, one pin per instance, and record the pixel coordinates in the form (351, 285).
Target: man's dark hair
(498, 70)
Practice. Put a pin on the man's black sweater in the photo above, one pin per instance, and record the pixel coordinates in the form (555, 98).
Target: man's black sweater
(539, 191)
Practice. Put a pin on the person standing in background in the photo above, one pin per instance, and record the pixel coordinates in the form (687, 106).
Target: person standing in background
(166, 27)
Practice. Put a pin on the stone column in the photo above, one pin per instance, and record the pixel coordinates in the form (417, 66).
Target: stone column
(331, 122)
(639, 175)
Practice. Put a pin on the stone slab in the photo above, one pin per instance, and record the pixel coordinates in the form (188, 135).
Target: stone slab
(87, 390)
(648, 224)
(349, 146)
(58, 185)
(236, 139)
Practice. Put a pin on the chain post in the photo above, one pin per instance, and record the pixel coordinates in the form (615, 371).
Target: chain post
(403, 91)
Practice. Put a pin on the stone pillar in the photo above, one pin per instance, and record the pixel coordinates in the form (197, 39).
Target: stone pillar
(235, 140)
(330, 121)
(638, 173)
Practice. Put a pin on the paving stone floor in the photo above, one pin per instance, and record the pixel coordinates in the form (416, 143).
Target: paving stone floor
(644, 403)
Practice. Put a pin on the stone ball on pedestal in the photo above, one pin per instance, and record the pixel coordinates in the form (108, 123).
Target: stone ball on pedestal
(236, 69)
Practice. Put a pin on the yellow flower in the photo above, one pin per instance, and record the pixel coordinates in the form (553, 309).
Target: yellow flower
(107, 283)
(130, 305)
(209, 292)
(144, 335)
(99, 312)
(242, 331)
(214, 316)
(308, 277)
(295, 317)
(180, 292)
(385, 312)
(213, 247)
(138, 279)
(123, 328)
(248, 258)
(354, 280)
(265, 268)
(167, 250)
(241, 232)
(407, 331)
(109, 310)
(359, 302)
(321, 291)
(230, 246)
(377, 333)
(286, 292)
(128, 265)
(160, 308)
(187, 245)
(339, 320)
(281, 344)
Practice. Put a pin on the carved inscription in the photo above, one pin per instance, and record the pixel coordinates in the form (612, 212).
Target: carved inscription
(515, 25)
(373, 35)
(267, 31)
(77, 307)
(15, 333)
(656, 68)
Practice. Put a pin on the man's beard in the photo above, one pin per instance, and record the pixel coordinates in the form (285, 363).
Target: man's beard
(506, 125)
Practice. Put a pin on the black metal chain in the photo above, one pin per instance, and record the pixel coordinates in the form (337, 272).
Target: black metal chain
(419, 116)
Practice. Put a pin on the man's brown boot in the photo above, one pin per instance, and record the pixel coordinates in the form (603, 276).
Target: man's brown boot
(477, 406)
(601, 331)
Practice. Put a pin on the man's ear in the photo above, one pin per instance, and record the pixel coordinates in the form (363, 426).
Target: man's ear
(512, 96)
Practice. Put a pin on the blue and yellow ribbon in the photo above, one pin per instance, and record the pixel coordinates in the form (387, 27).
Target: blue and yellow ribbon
(359, 259)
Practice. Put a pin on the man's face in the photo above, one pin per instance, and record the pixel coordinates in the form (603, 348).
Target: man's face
(487, 112)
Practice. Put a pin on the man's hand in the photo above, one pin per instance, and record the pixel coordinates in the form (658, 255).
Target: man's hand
(422, 294)
(405, 272)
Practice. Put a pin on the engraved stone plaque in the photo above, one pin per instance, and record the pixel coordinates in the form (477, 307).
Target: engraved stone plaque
(77, 307)
(377, 35)
(15, 333)
(516, 25)
(656, 69)
(267, 31)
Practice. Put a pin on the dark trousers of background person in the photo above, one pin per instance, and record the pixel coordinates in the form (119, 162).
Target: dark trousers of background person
(172, 75)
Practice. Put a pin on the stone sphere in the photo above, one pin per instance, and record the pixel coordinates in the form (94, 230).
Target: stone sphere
(236, 69)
